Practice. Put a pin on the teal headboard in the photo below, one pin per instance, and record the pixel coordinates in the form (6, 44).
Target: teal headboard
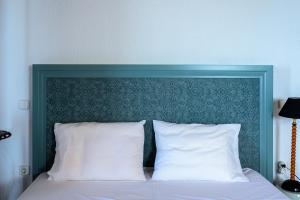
(174, 93)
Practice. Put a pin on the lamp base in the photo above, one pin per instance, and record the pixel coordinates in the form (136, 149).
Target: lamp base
(291, 185)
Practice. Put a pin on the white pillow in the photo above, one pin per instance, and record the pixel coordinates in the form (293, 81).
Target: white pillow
(98, 151)
(197, 152)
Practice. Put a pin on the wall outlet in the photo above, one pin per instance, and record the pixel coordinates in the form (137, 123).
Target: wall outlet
(24, 170)
(281, 166)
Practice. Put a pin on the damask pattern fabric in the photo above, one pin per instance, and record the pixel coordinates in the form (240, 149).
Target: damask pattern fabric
(180, 100)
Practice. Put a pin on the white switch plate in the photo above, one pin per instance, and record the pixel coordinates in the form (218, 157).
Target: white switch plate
(24, 104)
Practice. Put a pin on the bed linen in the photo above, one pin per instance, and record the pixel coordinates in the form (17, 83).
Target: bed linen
(93, 150)
(257, 189)
(197, 152)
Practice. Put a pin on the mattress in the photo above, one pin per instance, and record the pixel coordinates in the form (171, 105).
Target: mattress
(257, 189)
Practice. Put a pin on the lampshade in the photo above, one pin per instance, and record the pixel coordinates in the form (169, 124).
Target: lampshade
(4, 135)
(291, 108)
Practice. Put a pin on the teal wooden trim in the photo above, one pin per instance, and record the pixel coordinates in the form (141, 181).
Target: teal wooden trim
(266, 121)
(42, 72)
(170, 73)
(137, 67)
(38, 122)
(268, 77)
(151, 71)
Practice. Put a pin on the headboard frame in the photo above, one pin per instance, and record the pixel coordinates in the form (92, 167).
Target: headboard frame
(175, 93)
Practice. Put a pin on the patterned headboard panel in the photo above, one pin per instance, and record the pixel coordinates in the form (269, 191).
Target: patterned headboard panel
(183, 94)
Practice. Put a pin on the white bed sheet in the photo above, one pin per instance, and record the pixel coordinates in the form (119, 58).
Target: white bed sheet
(257, 189)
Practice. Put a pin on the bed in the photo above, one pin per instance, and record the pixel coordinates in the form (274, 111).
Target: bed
(257, 188)
(176, 93)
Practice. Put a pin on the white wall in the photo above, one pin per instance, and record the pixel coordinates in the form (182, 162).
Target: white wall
(169, 31)
(14, 84)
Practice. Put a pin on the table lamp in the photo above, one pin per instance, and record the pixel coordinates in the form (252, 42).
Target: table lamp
(4, 135)
(291, 109)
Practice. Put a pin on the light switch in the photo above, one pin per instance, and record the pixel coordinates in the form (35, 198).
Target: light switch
(23, 104)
